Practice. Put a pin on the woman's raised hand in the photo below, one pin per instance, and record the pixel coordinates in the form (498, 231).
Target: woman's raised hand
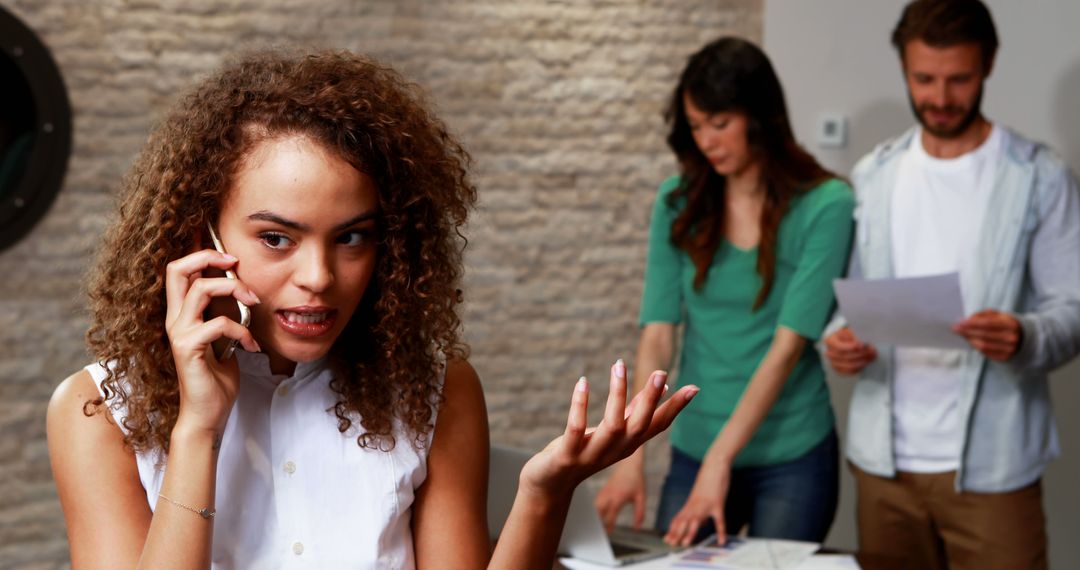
(579, 452)
(208, 388)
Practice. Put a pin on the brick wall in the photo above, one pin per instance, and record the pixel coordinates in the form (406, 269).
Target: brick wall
(559, 102)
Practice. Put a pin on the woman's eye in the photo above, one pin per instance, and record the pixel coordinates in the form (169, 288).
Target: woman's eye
(353, 239)
(720, 124)
(275, 240)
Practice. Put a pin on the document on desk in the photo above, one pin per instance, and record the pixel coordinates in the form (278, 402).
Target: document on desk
(748, 554)
(913, 311)
(830, 562)
(664, 563)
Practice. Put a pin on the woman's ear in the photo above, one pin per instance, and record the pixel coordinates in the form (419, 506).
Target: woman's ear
(201, 239)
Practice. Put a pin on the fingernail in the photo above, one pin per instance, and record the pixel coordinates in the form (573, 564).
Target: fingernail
(230, 257)
(665, 390)
(620, 368)
(582, 385)
(693, 391)
(254, 298)
(659, 378)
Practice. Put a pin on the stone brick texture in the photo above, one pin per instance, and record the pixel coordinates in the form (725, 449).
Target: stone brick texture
(559, 102)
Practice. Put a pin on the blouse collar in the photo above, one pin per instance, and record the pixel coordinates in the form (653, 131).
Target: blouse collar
(256, 365)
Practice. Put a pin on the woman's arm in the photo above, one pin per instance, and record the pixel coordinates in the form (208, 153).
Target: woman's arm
(547, 482)
(760, 395)
(97, 479)
(449, 516)
(178, 537)
(94, 469)
(710, 488)
(450, 512)
(181, 535)
(108, 520)
(656, 350)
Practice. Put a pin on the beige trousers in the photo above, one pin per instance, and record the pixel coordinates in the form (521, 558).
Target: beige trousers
(920, 519)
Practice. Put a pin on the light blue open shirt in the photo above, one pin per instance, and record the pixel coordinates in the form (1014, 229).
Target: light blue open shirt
(1027, 264)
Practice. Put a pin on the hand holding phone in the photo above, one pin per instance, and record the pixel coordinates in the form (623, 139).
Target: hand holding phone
(224, 348)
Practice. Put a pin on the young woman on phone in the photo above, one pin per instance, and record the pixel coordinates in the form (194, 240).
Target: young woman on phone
(743, 247)
(347, 430)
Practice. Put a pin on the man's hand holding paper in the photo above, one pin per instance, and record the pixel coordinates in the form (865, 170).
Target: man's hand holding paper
(997, 335)
(918, 311)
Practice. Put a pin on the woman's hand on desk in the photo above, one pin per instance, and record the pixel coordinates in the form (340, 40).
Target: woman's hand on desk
(626, 485)
(579, 452)
(706, 500)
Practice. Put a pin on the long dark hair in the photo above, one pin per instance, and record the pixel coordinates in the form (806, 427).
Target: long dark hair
(732, 74)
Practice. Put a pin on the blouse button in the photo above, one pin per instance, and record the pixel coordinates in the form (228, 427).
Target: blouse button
(298, 548)
(290, 468)
(283, 391)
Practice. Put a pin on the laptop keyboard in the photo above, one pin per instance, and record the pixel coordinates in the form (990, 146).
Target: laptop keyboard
(625, 549)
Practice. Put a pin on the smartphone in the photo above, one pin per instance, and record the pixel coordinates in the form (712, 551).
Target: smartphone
(242, 314)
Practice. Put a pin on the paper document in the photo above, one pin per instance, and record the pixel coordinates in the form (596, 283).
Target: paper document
(914, 311)
(748, 554)
(830, 562)
(664, 563)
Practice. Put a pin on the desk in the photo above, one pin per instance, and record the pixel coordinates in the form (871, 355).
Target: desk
(865, 562)
(824, 559)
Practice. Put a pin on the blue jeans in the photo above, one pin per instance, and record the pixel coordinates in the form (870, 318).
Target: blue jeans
(794, 500)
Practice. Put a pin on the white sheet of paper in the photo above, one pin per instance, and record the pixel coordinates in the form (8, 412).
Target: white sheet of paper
(663, 563)
(829, 562)
(748, 554)
(738, 554)
(913, 311)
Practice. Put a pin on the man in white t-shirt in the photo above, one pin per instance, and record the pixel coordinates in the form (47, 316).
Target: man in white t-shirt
(948, 446)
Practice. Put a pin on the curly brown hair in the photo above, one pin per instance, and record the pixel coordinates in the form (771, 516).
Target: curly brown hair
(390, 353)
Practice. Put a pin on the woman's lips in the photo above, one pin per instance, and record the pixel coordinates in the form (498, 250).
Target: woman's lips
(306, 322)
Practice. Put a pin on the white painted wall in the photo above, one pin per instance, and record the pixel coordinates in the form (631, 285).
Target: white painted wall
(834, 56)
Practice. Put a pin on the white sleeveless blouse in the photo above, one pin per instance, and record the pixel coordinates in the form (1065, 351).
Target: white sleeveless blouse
(293, 491)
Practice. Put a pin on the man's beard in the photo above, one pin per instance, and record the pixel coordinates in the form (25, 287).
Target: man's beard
(948, 132)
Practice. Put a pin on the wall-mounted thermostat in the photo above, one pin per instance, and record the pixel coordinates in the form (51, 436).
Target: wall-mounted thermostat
(832, 130)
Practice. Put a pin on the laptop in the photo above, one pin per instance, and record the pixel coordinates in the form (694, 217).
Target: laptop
(584, 536)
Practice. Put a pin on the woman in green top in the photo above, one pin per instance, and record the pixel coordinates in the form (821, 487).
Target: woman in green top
(743, 247)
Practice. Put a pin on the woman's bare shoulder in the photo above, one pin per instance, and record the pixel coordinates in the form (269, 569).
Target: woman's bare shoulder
(70, 427)
(459, 372)
(463, 392)
(79, 386)
(70, 397)
(462, 419)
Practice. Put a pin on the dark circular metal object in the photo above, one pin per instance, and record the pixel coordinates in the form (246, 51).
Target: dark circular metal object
(35, 129)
